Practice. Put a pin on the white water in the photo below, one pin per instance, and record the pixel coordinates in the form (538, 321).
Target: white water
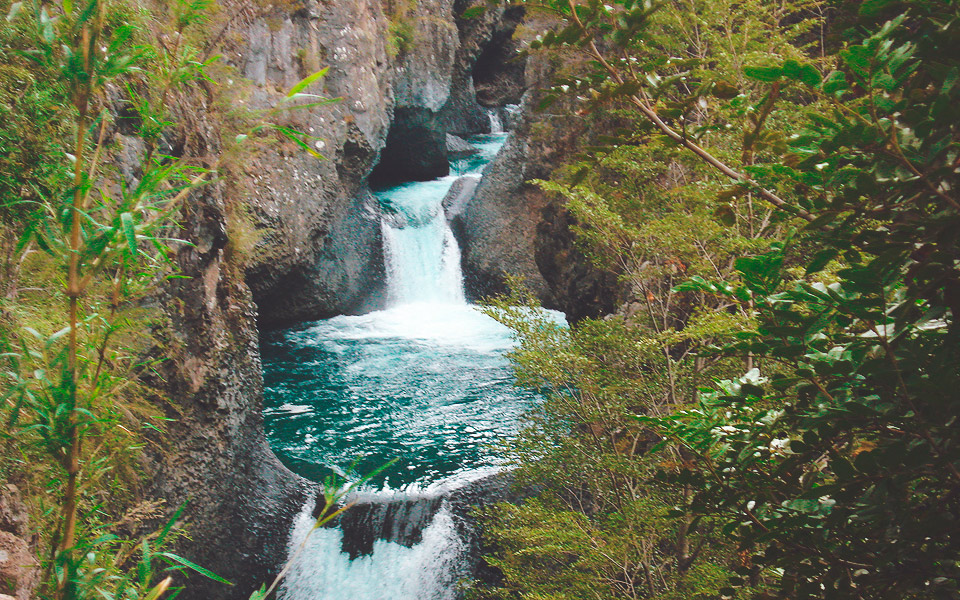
(427, 571)
(421, 255)
(496, 125)
(457, 396)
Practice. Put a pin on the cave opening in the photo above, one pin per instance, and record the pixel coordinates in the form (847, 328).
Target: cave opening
(415, 150)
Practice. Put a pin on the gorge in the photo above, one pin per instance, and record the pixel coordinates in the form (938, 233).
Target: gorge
(423, 381)
(244, 243)
(325, 247)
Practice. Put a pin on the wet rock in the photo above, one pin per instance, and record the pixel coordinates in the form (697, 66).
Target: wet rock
(512, 116)
(213, 456)
(398, 521)
(455, 203)
(459, 147)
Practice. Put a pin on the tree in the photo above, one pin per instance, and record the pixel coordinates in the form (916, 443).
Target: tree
(833, 462)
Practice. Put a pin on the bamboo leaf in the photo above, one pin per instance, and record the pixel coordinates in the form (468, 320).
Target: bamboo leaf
(129, 232)
(306, 81)
(170, 524)
(193, 566)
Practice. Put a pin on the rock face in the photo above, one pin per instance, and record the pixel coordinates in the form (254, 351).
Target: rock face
(459, 148)
(482, 34)
(319, 247)
(512, 228)
(239, 499)
(19, 569)
(416, 149)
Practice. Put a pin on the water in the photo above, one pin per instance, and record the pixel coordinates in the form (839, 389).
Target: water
(424, 381)
(496, 125)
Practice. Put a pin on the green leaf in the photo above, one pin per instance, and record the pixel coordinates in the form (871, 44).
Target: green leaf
(768, 74)
(170, 524)
(294, 136)
(193, 566)
(306, 81)
(129, 232)
(821, 259)
(858, 58)
(806, 74)
(834, 83)
(260, 594)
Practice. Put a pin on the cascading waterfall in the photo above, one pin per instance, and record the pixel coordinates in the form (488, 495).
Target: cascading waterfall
(421, 255)
(496, 124)
(423, 381)
(428, 570)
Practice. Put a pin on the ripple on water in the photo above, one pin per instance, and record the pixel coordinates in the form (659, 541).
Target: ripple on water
(427, 384)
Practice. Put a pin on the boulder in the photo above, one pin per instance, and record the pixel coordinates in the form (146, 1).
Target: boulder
(19, 569)
(13, 512)
(459, 147)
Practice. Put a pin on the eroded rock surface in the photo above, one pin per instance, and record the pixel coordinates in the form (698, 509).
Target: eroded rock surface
(19, 568)
(510, 227)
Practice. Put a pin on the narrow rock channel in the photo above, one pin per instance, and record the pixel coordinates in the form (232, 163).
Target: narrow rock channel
(423, 381)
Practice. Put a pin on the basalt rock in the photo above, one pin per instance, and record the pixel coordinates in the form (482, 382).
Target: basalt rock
(19, 568)
(499, 71)
(487, 57)
(511, 227)
(239, 500)
(459, 148)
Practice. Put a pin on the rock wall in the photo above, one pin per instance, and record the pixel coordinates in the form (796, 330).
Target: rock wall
(510, 227)
(19, 568)
(320, 250)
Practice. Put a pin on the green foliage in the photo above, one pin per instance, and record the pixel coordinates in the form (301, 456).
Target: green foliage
(401, 26)
(547, 550)
(832, 466)
(96, 242)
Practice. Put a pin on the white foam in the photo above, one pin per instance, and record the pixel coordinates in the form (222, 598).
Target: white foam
(427, 571)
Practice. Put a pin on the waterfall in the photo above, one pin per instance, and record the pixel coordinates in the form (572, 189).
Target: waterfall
(496, 125)
(426, 570)
(421, 255)
(423, 381)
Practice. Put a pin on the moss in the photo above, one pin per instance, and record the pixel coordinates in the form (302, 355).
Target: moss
(401, 26)
(242, 235)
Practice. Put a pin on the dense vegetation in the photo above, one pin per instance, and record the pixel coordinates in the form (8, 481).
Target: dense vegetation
(772, 414)
(97, 164)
